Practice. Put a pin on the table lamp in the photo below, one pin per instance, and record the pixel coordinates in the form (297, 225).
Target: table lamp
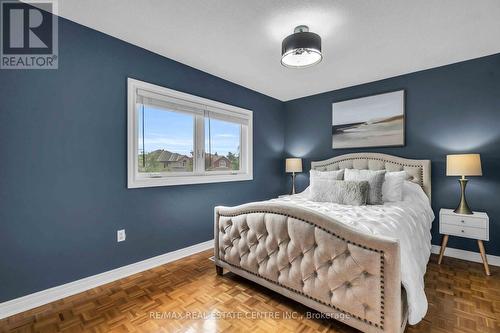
(293, 165)
(463, 165)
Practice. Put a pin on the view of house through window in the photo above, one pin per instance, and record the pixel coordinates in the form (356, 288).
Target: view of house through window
(175, 138)
(222, 145)
(166, 140)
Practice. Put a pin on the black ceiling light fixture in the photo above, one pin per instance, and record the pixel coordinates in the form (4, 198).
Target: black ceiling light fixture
(301, 49)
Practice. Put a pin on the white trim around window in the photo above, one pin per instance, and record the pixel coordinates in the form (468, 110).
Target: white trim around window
(143, 93)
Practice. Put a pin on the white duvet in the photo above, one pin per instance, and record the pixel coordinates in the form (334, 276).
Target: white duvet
(409, 221)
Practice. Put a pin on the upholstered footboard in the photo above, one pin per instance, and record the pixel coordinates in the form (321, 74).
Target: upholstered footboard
(314, 260)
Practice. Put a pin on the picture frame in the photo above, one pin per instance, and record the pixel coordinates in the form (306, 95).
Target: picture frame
(370, 121)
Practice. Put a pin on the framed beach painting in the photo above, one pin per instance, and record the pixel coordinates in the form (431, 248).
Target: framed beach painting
(373, 121)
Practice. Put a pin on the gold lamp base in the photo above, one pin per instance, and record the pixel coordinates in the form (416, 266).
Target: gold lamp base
(463, 207)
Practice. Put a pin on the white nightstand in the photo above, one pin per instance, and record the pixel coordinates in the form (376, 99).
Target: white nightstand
(475, 226)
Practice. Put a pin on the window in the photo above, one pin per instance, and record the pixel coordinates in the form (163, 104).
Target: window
(176, 138)
(165, 140)
(222, 145)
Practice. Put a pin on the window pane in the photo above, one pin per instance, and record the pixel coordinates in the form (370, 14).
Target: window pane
(222, 145)
(165, 140)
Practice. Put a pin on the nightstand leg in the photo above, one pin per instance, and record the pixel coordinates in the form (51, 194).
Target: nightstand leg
(443, 247)
(483, 256)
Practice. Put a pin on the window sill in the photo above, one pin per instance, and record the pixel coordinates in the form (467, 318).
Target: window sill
(186, 180)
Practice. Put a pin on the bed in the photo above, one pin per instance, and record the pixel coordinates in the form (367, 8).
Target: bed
(360, 265)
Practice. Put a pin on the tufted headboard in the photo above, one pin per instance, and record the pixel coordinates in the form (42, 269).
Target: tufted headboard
(419, 171)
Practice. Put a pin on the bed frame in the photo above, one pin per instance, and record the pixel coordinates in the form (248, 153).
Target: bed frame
(316, 260)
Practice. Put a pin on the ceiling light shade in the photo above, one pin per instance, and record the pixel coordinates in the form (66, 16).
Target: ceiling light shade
(301, 49)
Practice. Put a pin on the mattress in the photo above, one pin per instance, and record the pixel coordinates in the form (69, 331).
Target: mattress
(409, 221)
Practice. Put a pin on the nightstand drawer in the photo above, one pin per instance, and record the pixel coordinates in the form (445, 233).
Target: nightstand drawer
(463, 231)
(464, 221)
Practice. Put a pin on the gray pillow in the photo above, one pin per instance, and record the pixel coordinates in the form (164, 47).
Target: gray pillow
(339, 191)
(375, 180)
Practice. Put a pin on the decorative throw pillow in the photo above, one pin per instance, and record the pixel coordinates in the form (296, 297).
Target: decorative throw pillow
(375, 180)
(339, 191)
(337, 174)
(392, 188)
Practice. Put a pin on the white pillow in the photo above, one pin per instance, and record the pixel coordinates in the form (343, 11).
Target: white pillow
(375, 180)
(392, 188)
(334, 175)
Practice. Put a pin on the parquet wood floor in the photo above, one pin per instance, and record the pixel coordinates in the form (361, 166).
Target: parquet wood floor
(461, 299)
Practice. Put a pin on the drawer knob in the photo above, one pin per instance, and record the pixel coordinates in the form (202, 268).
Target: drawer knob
(462, 230)
(462, 221)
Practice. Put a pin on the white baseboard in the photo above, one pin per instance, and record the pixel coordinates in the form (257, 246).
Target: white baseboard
(34, 300)
(466, 255)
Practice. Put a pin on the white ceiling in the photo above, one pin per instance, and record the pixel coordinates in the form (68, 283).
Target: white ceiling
(240, 40)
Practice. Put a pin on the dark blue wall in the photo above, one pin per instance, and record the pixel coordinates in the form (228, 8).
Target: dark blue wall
(450, 109)
(63, 182)
(63, 160)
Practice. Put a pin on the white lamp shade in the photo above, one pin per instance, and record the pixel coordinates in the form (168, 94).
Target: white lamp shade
(293, 165)
(463, 165)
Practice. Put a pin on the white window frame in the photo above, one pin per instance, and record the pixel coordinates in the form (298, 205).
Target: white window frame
(199, 175)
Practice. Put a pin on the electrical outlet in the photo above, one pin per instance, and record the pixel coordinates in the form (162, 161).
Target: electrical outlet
(120, 235)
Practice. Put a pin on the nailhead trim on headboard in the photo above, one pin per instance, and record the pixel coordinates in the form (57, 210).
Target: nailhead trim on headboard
(370, 156)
